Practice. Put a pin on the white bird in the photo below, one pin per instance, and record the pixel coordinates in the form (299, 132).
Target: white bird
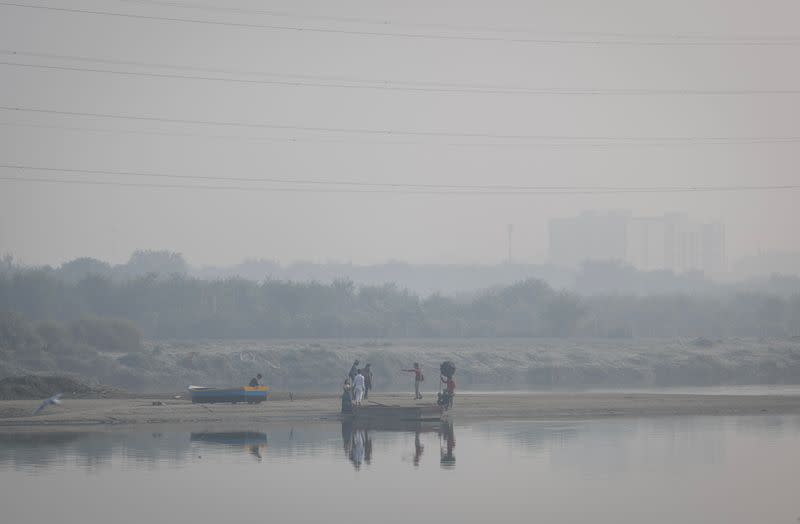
(55, 399)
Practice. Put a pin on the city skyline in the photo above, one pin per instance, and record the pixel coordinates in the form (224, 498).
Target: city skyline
(672, 241)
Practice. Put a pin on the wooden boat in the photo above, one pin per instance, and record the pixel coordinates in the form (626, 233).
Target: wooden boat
(381, 412)
(249, 394)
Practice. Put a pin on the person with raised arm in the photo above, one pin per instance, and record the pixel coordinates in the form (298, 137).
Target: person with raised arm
(418, 379)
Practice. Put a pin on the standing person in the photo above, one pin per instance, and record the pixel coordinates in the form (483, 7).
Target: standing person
(358, 387)
(352, 376)
(353, 371)
(347, 398)
(418, 377)
(255, 382)
(367, 380)
(446, 398)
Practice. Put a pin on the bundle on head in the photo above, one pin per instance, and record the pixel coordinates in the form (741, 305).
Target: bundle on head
(448, 369)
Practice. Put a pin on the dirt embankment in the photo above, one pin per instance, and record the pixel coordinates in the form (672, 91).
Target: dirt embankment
(170, 410)
(34, 387)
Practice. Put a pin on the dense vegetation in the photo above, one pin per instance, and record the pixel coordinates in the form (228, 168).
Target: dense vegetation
(180, 307)
(592, 278)
(80, 347)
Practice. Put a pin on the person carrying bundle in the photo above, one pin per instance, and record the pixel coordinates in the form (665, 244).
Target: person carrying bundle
(446, 397)
(447, 370)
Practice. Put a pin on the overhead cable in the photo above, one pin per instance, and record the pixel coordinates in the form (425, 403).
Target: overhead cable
(334, 82)
(420, 36)
(388, 22)
(390, 133)
(377, 187)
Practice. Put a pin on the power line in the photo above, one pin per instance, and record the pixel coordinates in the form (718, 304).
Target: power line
(377, 84)
(376, 191)
(422, 36)
(348, 141)
(386, 22)
(352, 183)
(195, 186)
(287, 139)
(389, 133)
(377, 187)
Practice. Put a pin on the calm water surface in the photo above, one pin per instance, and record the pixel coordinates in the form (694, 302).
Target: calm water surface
(663, 470)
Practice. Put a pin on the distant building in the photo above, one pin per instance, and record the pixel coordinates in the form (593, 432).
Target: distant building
(671, 241)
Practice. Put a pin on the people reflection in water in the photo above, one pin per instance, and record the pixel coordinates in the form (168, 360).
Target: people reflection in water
(418, 448)
(447, 459)
(255, 450)
(367, 448)
(347, 436)
(357, 452)
(357, 444)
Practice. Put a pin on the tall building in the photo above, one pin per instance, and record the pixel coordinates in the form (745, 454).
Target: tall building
(671, 241)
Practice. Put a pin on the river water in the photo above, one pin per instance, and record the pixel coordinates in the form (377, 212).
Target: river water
(635, 470)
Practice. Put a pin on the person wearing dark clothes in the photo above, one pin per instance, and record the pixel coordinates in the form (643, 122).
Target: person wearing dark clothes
(256, 381)
(446, 397)
(367, 372)
(352, 377)
(353, 371)
(347, 398)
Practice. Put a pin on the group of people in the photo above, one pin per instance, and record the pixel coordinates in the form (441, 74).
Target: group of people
(359, 381)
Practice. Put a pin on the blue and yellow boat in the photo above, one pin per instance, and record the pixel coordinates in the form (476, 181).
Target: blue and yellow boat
(249, 394)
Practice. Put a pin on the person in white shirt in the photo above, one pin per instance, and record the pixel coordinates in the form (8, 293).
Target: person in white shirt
(358, 386)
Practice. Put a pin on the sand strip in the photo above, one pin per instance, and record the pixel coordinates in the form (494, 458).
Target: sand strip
(83, 412)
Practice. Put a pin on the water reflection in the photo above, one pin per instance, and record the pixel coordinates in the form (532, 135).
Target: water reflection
(569, 445)
(254, 442)
(621, 471)
(357, 439)
(446, 457)
(91, 450)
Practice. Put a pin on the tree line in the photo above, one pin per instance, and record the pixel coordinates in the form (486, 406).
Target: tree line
(181, 307)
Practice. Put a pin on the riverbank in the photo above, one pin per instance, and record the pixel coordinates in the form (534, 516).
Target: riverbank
(153, 409)
(482, 364)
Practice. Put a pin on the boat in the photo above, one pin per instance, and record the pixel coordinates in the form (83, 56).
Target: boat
(249, 394)
(381, 412)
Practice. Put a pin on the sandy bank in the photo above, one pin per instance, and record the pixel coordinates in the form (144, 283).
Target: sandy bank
(81, 412)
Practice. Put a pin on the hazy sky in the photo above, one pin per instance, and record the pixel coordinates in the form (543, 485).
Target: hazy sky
(51, 223)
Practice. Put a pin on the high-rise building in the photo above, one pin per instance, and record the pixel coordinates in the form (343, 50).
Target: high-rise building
(671, 241)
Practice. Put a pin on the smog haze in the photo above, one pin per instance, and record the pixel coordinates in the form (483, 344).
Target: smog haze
(572, 94)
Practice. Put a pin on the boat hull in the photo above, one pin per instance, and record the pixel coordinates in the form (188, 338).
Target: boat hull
(399, 413)
(251, 395)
